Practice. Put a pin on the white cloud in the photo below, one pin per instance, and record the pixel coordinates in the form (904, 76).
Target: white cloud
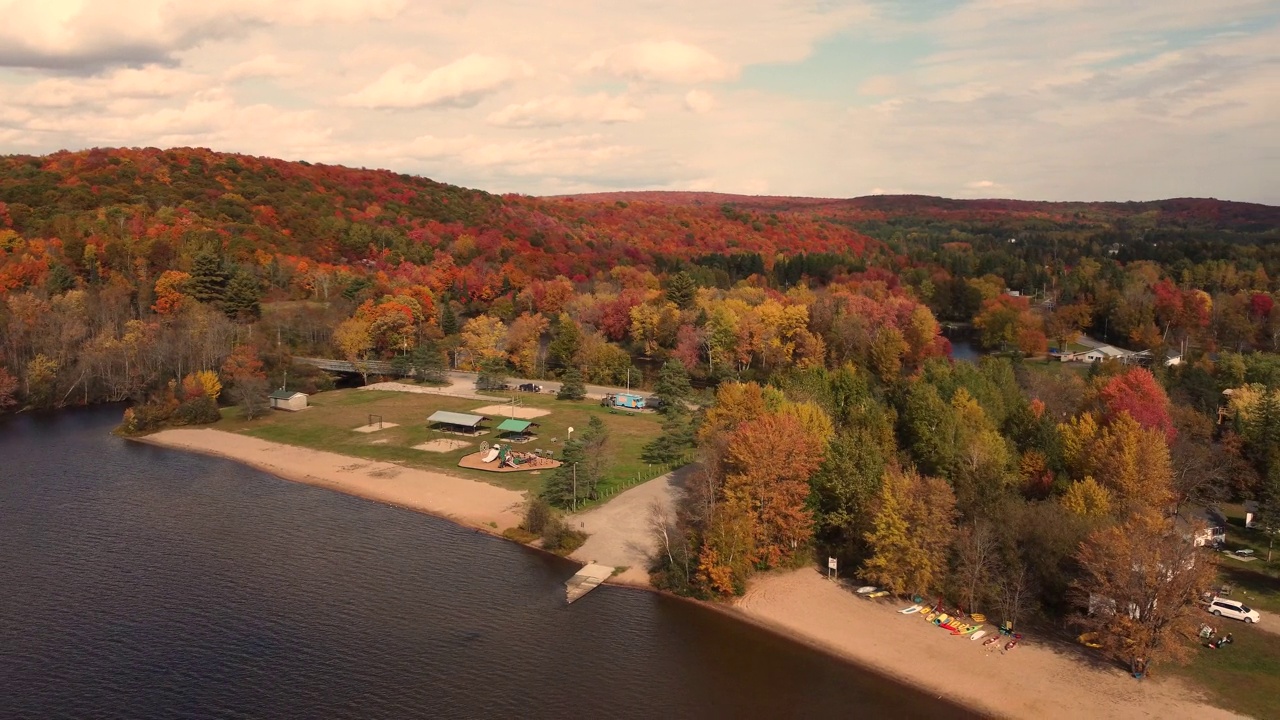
(565, 109)
(150, 82)
(699, 101)
(668, 61)
(262, 66)
(94, 34)
(461, 83)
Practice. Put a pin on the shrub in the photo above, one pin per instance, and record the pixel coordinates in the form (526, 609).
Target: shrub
(537, 515)
(559, 538)
(198, 410)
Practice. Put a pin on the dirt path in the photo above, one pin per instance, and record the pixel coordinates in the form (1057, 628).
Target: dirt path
(619, 530)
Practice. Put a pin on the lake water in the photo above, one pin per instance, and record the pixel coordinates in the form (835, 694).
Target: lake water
(964, 345)
(137, 582)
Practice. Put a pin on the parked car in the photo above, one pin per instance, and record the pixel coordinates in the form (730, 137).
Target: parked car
(1222, 607)
(653, 402)
(530, 387)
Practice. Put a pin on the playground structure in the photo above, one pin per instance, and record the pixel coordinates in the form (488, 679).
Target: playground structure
(502, 458)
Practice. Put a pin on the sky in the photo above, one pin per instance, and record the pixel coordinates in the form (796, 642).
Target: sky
(1029, 99)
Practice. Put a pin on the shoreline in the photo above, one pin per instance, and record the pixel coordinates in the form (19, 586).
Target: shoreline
(800, 605)
(1034, 680)
(463, 501)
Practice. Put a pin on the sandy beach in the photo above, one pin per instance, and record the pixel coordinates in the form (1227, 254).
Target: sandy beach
(468, 502)
(1031, 681)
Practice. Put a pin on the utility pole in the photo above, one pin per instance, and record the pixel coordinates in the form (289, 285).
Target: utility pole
(575, 487)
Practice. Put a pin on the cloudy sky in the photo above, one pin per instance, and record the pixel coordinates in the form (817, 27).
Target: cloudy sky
(1037, 99)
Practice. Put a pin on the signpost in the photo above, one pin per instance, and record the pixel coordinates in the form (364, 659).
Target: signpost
(832, 572)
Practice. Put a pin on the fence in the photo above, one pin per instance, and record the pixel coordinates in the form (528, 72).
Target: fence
(642, 476)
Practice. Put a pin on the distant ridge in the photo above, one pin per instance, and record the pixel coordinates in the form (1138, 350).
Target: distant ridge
(1209, 210)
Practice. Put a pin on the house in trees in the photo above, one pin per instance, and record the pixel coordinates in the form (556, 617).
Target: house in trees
(1086, 349)
(290, 400)
(1203, 526)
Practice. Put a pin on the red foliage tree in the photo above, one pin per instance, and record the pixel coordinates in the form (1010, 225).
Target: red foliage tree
(1137, 393)
(1260, 305)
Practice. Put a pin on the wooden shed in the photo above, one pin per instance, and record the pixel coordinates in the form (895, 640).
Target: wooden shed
(290, 400)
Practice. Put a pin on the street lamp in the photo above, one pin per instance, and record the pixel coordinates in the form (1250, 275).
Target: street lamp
(575, 487)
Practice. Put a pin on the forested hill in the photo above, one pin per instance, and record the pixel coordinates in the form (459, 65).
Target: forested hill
(110, 198)
(1184, 212)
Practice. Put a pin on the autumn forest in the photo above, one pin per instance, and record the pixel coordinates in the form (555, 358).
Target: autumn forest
(803, 348)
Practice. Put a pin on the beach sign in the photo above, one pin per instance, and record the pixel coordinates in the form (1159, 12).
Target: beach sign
(831, 568)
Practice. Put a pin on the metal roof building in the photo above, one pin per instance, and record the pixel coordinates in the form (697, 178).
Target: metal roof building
(515, 426)
(462, 420)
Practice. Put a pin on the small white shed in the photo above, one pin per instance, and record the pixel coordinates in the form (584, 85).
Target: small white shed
(290, 400)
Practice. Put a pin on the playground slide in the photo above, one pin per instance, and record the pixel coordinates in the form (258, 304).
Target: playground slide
(493, 455)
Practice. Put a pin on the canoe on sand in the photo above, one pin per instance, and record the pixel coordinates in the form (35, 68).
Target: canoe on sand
(909, 610)
(866, 589)
(979, 634)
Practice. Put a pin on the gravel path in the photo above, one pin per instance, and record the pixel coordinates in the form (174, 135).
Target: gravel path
(620, 530)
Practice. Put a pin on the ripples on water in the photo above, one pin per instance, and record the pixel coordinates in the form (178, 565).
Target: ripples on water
(137, 582)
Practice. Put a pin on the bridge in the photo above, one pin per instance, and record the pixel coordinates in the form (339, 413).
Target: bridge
(370, 367)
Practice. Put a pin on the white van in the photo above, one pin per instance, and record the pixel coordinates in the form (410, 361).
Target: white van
(1223, 607)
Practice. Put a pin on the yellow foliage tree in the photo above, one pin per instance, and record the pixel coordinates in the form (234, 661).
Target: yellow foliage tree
(1133, 463)
(484, 337)
(737, 403)
(523, 341)
(815, 421)
(911, 533)
(209, 381)
(1087, 498)
(1079, 437)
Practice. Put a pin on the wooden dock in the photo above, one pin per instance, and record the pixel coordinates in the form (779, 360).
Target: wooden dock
(586, 580)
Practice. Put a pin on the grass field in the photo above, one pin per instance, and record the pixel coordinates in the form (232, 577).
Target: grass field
(330, 421)
(1256, 583)
(1245, 675)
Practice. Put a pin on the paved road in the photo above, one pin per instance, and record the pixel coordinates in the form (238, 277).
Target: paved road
(595, 392)
(621, 530)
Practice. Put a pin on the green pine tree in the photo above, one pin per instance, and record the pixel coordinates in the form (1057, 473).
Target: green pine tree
(208, 282)
(560, 489)
(672, 388)
(493, 374)
(60, 279)
(1268, 515)
(242, 301)
(682, 290)
(572, 386)
(673, 445)
(565, 339)
(448, 320)
(428, 362)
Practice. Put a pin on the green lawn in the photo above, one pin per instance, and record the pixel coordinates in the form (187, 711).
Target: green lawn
(328, 425)
(1256, 583)
(1244, 676)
